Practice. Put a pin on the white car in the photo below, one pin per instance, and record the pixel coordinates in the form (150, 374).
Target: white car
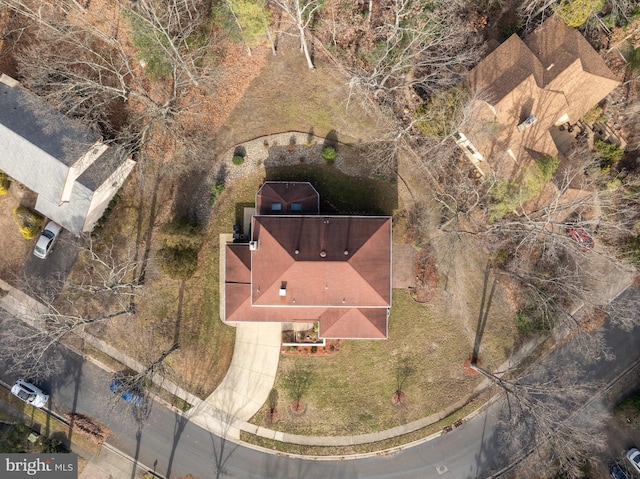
(634, 458)
(47, 239)
(29, 393)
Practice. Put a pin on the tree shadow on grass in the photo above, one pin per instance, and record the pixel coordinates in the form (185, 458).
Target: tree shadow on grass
(483, 314)
(340, 193)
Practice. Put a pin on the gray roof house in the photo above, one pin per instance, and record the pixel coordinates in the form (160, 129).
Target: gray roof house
(73, 172)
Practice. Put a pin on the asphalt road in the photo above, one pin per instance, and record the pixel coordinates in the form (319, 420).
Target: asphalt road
(173, 447)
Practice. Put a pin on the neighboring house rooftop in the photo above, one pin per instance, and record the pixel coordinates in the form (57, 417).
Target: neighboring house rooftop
(526, 87)
(73, 172)
(334, 270)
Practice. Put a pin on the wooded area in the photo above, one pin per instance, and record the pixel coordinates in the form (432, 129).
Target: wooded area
(144, 72)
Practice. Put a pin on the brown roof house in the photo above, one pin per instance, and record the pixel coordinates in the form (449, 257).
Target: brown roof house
(301, 266)
(71, 169)
(528, 91)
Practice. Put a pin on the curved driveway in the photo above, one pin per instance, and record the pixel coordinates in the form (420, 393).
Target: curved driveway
(246, 387)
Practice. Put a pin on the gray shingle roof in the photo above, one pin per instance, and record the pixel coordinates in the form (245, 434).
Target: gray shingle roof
(39, 145)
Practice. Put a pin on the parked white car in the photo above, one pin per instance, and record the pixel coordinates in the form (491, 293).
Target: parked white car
(634, 458)
(47, 239)
(29, 393)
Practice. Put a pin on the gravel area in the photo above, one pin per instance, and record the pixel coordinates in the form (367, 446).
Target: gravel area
(282, 149)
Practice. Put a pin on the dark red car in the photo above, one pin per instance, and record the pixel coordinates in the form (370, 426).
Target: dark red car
(581, 237)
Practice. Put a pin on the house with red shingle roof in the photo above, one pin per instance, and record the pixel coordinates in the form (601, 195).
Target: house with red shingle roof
(302, 266)
(527, 92)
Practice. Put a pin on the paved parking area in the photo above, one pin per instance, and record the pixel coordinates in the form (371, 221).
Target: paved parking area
(43, 278)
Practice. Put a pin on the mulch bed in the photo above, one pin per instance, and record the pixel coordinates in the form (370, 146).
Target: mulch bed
(332, 347)
(426, 276)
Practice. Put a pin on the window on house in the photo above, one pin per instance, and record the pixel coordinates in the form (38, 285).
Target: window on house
(296, 207)
(276, 206)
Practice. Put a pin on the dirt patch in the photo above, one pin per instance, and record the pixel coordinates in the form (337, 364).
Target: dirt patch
(593, 320)
(426, 272)
(14, 246)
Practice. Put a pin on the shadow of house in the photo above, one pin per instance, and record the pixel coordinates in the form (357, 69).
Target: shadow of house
(524, 89)
(300, 266)
(72, 171)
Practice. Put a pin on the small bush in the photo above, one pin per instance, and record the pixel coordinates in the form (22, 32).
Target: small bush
(181, 233)
(216, 190)
(632, 249)
(178, 263)
(510, 195)
(152, 49)
(595, 114)
(609, 152)
(329, 154)
(500, 257)
(575, 12)
(442, 113)
(530, 323)
(28, 221)
(5, 182)
(237, 160)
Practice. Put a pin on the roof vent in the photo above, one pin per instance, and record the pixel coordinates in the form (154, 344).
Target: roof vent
(297, 251)
(527, 123)
(253, 245)
(323, 254)
(346, 252)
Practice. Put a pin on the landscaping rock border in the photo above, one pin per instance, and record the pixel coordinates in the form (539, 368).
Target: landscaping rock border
(282, 149)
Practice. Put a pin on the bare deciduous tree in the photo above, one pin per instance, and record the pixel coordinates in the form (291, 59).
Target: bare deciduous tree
(85, 70)
(544, 415)
(302, 14)
(105, 290)
(411, 49)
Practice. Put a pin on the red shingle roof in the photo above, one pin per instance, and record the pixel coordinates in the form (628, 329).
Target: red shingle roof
(335, 270)
(341, 261)
(353, 323)
(287, 194)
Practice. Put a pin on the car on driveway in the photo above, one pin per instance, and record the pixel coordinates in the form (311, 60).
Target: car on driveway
(29, 393)
(580, 236)
(47, 239)
(634, 458)
(125, 393)
(618, 473)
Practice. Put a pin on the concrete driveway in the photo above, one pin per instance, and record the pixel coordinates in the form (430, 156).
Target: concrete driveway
(250, 378)
(43, 278)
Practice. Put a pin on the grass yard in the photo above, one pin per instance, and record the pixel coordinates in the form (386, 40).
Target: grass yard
(201, 296)
(351, 391)
(287, 96)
